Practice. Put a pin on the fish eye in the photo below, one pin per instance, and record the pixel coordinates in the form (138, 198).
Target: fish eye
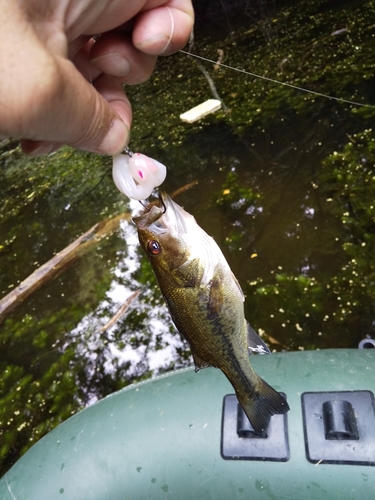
(153, 247)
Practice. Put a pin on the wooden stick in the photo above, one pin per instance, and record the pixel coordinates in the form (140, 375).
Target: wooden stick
(59, 263)
(120, 312)
(62, 260)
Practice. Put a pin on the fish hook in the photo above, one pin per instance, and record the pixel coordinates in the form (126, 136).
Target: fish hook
(163, 204)
(148, 208)
(144, 206)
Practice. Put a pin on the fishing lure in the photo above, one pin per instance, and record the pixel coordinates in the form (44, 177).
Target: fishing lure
(136, 174)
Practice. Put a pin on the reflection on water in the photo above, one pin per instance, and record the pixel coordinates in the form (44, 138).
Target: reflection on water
(140, 342)
(287, 192)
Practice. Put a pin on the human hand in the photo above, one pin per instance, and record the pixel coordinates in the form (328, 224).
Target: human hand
(59, 86)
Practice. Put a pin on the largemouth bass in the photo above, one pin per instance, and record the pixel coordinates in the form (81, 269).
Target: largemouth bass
(206, 303)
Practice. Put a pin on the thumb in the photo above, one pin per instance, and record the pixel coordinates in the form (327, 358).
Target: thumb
(69, 110)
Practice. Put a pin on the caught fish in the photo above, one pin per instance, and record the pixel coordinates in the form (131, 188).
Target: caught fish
(206, 303)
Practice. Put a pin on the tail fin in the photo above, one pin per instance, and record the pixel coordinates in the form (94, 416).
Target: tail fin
(262, 404)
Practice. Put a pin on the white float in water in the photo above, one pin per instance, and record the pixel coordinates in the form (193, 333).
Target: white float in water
(201, 110)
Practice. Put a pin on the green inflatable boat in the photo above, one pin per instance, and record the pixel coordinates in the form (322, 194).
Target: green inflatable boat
(183, 436)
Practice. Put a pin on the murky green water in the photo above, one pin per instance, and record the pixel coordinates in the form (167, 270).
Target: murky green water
(286, 185)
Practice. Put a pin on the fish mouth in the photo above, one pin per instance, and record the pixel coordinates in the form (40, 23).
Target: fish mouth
(168, 217)
(175, 216)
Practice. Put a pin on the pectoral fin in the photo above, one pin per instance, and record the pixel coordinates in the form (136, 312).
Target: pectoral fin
(199, 362)
(188, 274)
(255, 343)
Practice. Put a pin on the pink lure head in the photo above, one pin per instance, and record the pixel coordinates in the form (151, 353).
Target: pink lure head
(137, 175)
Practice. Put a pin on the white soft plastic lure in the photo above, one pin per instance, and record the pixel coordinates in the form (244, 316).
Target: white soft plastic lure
(137, 175)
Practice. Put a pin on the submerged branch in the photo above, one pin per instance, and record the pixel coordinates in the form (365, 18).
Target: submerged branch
(205, 73)
(120, 312)
(211, 84)
(59, 263)
(64, 259)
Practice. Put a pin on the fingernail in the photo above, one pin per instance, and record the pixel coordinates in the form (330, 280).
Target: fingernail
(113, 64)
(115, 140)
(155, 45)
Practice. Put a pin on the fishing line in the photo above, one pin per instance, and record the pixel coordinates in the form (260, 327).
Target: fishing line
(171, 33)
(295, 87)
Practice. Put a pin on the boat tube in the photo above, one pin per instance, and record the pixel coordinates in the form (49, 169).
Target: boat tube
(182, 435)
